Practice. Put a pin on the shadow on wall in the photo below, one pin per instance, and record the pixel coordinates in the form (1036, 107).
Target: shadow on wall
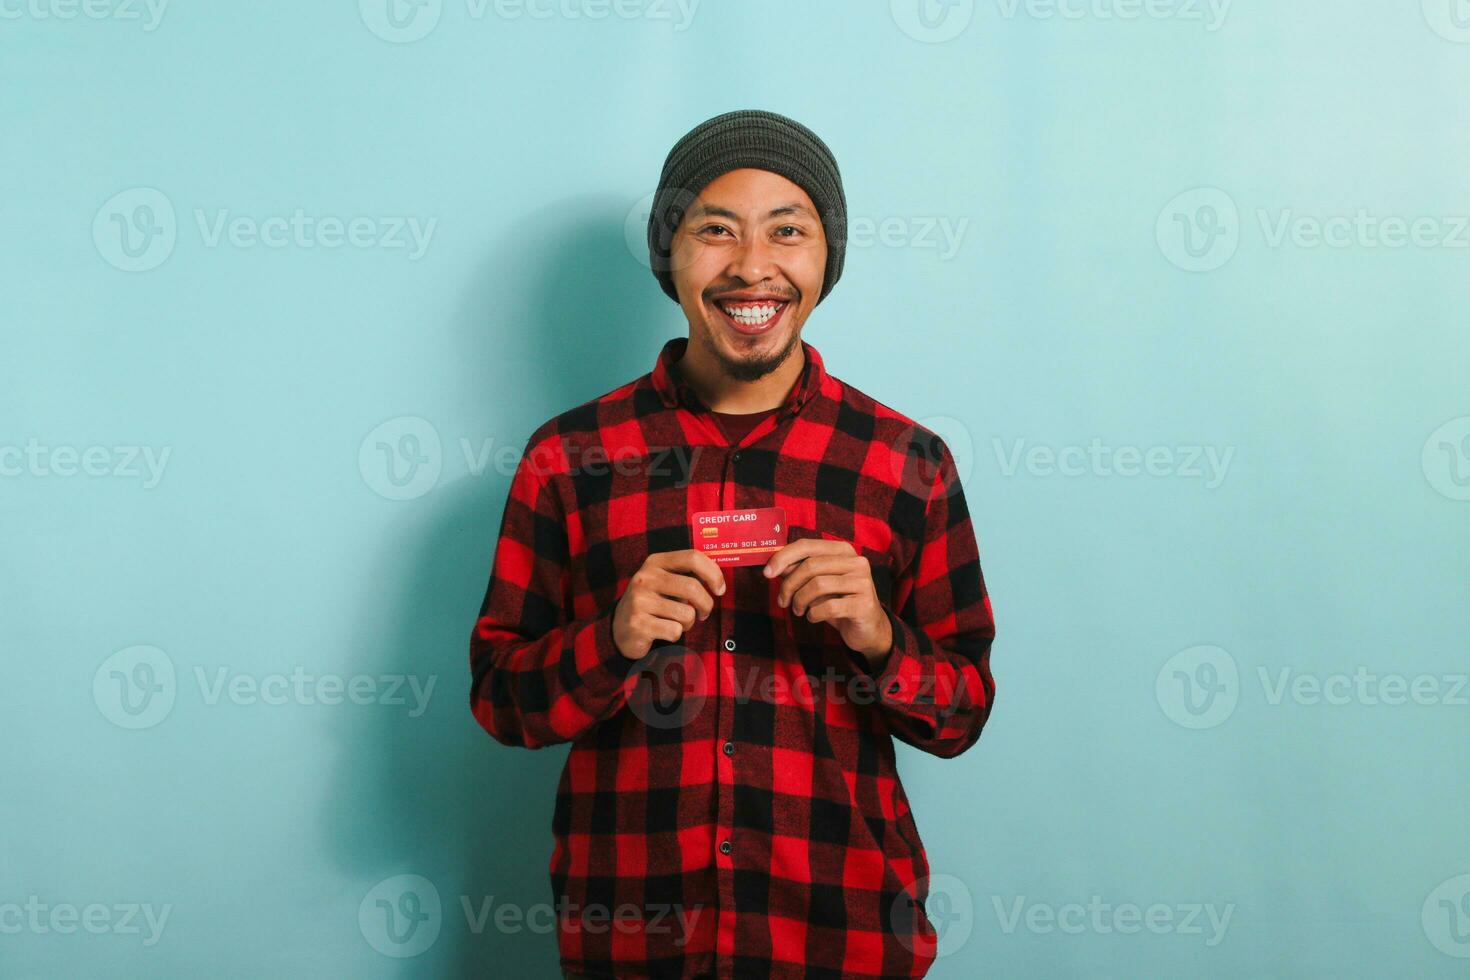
(560, 312)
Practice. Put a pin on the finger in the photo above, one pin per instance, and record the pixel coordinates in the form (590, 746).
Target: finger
(823, 585)
(685, 588)
(793, 553)
(830, 608)
(801, 549)
(802, 573)
(681, 614)
(697, 564)
(661, 629)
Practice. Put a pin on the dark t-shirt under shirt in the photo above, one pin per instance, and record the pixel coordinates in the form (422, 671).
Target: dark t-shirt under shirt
(738, 425)
(735, 425)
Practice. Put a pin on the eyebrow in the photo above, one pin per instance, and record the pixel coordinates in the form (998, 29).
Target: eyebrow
(715, 210)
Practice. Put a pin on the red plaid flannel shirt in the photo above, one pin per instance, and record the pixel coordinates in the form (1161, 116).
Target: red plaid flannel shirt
(730, 804)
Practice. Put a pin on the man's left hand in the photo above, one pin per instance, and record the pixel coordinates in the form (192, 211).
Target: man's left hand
(829, 582)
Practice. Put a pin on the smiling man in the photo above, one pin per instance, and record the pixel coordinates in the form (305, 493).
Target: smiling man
(769, 577)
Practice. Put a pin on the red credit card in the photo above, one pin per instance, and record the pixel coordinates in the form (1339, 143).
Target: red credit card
(739, 537)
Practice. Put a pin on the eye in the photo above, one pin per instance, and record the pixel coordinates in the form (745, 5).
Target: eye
(707, 229)
(792, 228)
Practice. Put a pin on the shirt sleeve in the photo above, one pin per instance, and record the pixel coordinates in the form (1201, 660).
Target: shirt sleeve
(539, 677)
(935, 688)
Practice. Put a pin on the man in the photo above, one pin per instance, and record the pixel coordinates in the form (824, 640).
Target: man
(730, 804)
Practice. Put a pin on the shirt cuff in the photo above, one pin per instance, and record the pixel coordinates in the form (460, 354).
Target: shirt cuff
(601, 666)
(899, 681)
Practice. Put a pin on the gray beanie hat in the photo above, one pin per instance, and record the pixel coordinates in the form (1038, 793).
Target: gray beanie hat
(747, 138)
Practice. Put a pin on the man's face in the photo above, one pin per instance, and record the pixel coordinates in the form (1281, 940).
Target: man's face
(748, 261)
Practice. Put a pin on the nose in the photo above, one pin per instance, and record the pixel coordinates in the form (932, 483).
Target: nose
(752, 260)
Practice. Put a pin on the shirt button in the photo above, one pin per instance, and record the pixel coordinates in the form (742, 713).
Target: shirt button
(729, 748)
(735, 455)
(730, 644)
(726, 847)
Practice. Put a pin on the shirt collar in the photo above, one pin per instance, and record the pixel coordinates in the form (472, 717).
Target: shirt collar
(674, 392)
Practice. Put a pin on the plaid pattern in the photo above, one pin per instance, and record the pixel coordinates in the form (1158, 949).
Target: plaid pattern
(730, 804)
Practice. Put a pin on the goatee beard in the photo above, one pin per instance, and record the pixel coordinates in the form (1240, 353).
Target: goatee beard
(751, 369)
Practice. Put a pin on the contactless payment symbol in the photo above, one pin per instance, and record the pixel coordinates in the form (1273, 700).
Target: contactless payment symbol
(740, 537)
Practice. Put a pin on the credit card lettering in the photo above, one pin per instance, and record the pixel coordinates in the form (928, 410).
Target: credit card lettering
(739, 537)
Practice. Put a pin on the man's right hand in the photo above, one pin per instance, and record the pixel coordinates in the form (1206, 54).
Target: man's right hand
(664, 598)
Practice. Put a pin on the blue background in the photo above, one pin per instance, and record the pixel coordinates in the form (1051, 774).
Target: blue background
(1133, 268)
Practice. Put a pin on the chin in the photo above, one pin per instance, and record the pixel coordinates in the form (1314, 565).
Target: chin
(755, 357)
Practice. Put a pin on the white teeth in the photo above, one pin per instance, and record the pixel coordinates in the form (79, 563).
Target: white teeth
(751, 316)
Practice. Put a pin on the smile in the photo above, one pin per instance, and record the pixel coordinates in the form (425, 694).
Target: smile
(753, 317)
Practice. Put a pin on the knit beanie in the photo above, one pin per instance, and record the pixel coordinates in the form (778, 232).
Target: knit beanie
(747, 138)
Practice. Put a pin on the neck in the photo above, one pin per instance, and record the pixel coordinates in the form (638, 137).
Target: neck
(701, 370)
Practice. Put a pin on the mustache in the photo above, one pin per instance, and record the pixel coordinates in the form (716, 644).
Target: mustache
(722, 291)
